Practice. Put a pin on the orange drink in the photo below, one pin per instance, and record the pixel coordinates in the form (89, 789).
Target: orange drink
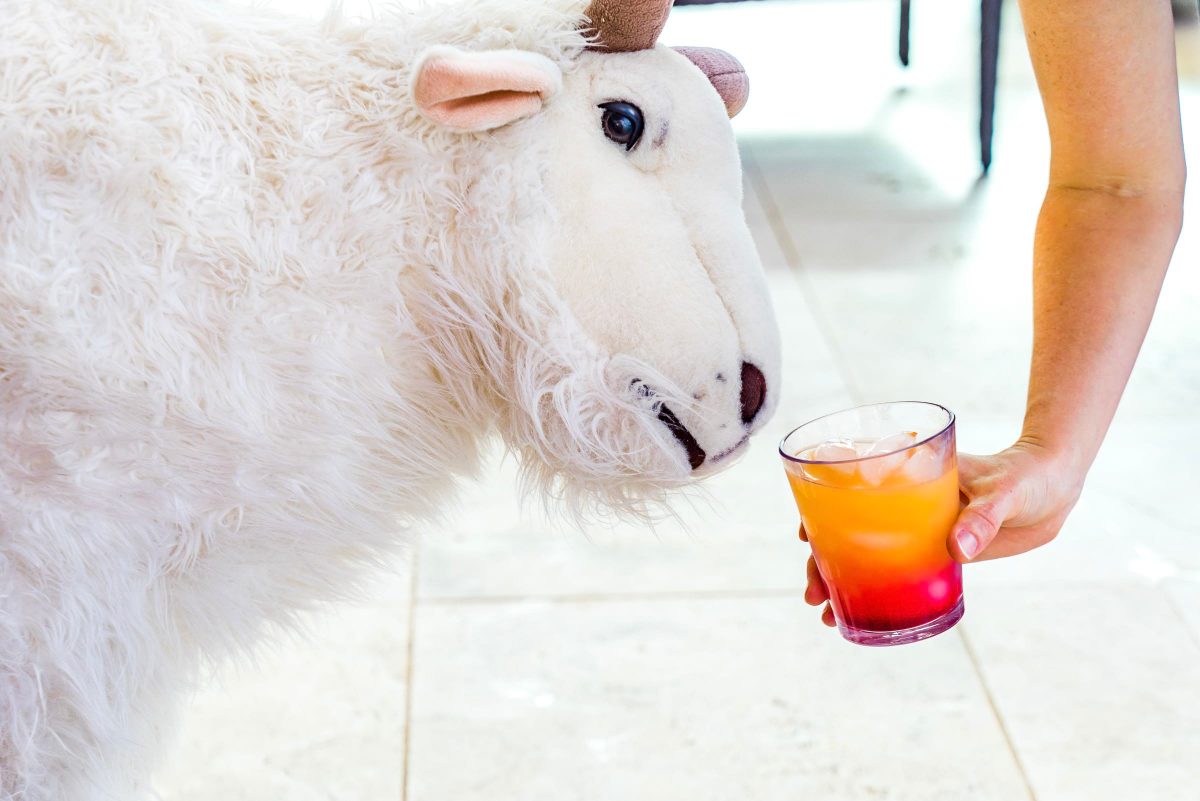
(877, 488)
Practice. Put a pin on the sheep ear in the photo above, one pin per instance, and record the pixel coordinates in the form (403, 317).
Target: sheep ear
(478, 91)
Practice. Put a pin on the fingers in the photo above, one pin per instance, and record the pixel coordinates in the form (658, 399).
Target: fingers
(971, 467)
(977, 525)
(1019, 539)
(816, 593)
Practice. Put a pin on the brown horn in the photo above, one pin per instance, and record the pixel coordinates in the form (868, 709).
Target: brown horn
(622, 26)
(724, 72)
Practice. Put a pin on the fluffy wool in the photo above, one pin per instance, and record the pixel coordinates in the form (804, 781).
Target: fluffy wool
(257, 313)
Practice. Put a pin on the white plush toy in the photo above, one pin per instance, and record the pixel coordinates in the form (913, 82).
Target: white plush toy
(266, 286)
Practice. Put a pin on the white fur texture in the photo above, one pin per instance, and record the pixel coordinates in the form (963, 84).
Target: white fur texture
(256, 313)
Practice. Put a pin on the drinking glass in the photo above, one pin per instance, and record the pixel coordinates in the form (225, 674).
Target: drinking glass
(877, 489)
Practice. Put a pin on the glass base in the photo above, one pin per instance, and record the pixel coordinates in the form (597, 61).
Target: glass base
(903, 636)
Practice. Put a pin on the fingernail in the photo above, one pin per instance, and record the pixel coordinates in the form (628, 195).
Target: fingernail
(967, 543)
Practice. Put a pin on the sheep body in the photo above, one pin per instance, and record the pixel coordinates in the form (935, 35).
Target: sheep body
(247, 300)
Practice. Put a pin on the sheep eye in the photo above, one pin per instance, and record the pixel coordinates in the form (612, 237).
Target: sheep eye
(622, 123)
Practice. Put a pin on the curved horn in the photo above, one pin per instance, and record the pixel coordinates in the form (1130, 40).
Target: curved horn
(724, 72)
(621, 26)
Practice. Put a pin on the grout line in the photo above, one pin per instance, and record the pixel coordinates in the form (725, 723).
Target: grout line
(987, 692)
(790, 252)
(682, 595)
(1069, 584)
(408, 684)
(718, 595)
(1187, 624)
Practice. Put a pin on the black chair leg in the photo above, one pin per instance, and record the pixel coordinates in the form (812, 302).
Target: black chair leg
(989, 56)
(904, 18)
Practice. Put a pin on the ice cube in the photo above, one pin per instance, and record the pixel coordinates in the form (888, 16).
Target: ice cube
(877, 466)
(876, 469)
(834, 450)
(893, 442)
(924, 464)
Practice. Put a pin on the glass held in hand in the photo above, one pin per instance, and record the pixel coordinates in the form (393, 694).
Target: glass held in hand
(877, 488)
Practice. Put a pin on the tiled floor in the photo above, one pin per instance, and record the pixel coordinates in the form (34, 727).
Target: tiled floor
(517, 660)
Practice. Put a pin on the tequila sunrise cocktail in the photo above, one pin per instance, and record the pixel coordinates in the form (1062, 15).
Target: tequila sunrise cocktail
(877, 489)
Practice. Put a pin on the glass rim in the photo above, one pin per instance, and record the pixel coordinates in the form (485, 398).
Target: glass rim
(931, 437)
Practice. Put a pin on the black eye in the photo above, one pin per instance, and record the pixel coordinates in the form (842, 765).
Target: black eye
(622, 123)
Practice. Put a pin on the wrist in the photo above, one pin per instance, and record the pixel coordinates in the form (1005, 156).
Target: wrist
(1065, 434)
(1066, 461)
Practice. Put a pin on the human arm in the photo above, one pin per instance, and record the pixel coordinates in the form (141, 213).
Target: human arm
(1108, 224)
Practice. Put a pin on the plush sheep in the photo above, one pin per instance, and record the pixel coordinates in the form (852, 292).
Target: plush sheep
(266, 286)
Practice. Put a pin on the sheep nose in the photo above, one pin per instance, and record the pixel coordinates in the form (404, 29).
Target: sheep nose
(754, 392)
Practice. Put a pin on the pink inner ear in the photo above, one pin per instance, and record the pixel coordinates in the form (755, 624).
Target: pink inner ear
(724, 72)
(486, 111)
(478, 91)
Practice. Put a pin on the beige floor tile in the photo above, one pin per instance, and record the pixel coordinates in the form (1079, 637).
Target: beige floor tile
(738, 537)
(1184, 594)
(699, 700)
(751, 204)
(1132, 524)
(1099, 687)
(738, 534)
(1165, 383)
(901, 276)
(1103, 540)
(866, 176)
(501, 550)
(814, 372)
(928, 291)
(1149, 469)
(925, 295)
(315, 719)
(923, 270)
(772, 256)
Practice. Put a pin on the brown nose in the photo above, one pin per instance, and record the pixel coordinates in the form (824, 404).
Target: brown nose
(754, 392)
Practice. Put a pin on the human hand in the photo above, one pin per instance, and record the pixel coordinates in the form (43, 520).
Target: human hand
(816, 593)
(1016, 500)
(1013, 502)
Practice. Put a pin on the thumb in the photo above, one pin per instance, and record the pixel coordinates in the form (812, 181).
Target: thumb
(977, 525)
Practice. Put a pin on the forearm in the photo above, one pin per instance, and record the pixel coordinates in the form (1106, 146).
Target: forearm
(1100, 256)
(1106, 71)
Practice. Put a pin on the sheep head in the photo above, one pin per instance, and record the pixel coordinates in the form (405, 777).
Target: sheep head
(651, 255)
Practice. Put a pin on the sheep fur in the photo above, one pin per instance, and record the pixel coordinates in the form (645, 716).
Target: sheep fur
(258, 315)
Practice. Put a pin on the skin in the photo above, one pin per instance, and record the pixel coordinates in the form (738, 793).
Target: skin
(1108, 225)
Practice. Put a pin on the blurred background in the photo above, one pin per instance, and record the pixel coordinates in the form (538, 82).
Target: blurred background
(518, 659)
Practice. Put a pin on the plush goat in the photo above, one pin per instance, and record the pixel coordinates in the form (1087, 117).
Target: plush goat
(267, 285)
